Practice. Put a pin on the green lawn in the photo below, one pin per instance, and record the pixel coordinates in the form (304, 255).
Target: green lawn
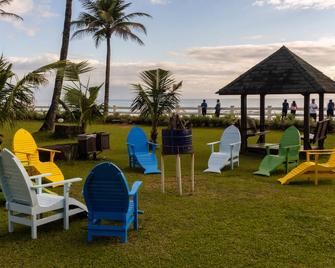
(233, 220)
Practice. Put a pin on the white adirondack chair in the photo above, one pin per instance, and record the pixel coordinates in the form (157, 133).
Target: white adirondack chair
(229, 150)
(25, 201)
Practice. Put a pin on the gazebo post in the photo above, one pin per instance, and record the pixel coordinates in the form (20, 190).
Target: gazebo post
(244, 138)
(262, 117)
(306, 121)
(321, 106)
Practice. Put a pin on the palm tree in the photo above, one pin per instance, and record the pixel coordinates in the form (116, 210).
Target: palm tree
(157, 97)
(5, 14)
(49, 122)
(81, 100)
(102, 20)
(17, 94)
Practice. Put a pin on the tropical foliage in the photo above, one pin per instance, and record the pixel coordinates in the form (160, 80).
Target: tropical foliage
(17, 94)
(81, 99)
(104, 18)
(158, 96)
(5, 14)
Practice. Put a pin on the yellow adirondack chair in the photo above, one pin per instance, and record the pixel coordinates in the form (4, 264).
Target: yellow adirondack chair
(312, 168)
(25, 149)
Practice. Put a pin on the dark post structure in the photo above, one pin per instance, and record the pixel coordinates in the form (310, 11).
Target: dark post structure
(244, 144)
(321, 106)
(306, 121)
(262, 118)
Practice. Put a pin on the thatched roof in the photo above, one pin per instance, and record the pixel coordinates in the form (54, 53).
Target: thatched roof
(281, 73)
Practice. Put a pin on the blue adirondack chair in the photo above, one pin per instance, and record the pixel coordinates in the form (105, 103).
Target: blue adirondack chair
(107, 197)
(139, 154)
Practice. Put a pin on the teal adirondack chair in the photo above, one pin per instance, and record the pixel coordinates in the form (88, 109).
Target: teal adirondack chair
(289, 148)
(25, 202)
(139, 154)
(109, 200)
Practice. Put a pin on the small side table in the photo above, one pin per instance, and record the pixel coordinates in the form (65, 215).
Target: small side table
(178, 173)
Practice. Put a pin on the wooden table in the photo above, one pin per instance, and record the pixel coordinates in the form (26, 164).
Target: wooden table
(178, 173)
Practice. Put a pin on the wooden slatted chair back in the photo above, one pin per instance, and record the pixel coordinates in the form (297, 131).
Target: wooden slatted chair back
(229, 136)
(106, 190)
(15, 181)
(23, 144)
(138, 138)
(291, 137)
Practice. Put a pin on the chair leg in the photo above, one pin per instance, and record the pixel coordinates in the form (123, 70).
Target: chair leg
(33, 227)
(124, 237)
(66, 207)
(10, 223)
(89, 237)
(136, 222)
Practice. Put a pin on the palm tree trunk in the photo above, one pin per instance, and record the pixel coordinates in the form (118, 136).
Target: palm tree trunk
(108, 69)
(49, 122)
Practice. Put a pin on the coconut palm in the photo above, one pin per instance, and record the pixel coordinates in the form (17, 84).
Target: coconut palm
(50, 118)
(17, 95)
(158, 96)
(82, 102)
(5, 14)
(102, 20)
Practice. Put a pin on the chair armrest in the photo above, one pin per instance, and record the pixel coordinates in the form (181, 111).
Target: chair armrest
(154, 144)
(134, 189)
(56, 183)
(213, 143)
(49, 150)
(19, 152)
(131, 147)
(40, 176)
(234, 144)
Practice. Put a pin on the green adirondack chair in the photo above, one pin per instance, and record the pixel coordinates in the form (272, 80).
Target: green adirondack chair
(288, 153)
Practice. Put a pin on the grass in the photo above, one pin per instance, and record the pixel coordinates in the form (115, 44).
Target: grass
(233, 220)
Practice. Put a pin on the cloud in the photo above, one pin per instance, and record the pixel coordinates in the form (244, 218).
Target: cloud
(25, 8)
(159, 2)
(297, 4)
(206, 69)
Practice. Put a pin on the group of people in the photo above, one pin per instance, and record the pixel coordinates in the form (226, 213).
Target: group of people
(313, 107)
(217, 108)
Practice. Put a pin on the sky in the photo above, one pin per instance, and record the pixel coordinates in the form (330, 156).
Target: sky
(205, 43)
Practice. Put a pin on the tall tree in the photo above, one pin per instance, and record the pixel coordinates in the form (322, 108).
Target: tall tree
(3, 13)
(102, 20)
(49, 122)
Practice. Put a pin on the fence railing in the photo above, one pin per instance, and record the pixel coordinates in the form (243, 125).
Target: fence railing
(254, 112)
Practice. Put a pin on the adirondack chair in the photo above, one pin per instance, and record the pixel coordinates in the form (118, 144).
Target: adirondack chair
(229, 151)
(25, 202)
(319, 134)
(107, 197)
(289, 148)
(312, 167)
(138, 152)
(25, 148)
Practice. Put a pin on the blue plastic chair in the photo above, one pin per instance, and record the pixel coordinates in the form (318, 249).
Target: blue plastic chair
(139, 154)
(107, 197)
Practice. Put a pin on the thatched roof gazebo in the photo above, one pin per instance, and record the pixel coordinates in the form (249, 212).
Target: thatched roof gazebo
(281, 73)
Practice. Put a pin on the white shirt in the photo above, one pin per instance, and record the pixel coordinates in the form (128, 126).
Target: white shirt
(313, 108)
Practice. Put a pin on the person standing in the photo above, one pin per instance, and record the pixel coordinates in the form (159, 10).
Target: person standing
(330, 108)
(217, 108)
(204, 108)
(284, 109)
(294, 108)
(312, 109)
